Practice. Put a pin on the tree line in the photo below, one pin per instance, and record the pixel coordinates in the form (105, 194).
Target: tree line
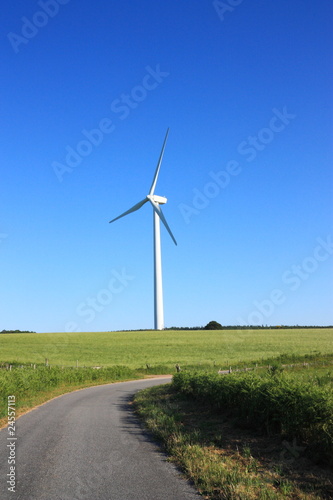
(16, 331)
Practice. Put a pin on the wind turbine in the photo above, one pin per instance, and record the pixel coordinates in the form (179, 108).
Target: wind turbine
(155, 201)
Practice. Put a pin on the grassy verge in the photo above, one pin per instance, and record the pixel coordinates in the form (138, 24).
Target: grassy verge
(34, 386)
(225, 461)
(269, 403)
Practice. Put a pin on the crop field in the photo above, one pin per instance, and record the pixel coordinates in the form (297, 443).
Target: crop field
(71, 357)
(162, 350)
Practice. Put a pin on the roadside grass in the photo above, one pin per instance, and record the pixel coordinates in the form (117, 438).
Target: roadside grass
(30, 402)
(270, 402)
(34, 386)
(223, 460)
(200, 348)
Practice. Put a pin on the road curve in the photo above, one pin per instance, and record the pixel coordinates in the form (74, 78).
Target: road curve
(88, 445)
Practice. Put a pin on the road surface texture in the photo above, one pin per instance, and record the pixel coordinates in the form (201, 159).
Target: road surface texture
(88, 445)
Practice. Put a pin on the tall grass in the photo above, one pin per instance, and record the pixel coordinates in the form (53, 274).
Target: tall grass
(273, 403)
(27, 382)
(219, 472)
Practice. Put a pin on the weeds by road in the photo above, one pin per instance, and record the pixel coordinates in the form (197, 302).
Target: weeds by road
(32, 385)
(226, 461)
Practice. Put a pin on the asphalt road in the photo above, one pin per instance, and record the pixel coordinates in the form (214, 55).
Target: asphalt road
(88, 445)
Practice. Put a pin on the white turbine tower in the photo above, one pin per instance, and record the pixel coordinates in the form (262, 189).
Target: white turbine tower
(156, 201)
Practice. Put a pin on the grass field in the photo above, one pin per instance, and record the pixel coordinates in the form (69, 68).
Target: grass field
(217, 472)
(166, 348)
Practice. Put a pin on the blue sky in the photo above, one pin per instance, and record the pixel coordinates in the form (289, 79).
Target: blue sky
(88, 90)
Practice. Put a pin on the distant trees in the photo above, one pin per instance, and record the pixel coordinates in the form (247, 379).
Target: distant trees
(16, 331)
(213, 325)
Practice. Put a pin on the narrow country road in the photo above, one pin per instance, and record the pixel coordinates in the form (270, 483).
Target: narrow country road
(88, 445)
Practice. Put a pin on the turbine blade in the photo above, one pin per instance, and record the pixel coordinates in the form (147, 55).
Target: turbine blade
(152, 189)
(133, 209)
(159, 212)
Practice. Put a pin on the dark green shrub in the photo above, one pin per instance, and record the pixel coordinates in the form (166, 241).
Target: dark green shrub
(213, 325)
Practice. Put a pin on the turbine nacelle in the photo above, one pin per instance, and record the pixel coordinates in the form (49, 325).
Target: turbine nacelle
(161, 200)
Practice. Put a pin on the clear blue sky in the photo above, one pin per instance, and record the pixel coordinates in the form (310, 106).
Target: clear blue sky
(88, 90)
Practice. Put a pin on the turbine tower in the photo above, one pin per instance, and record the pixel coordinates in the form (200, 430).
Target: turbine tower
(155, 201)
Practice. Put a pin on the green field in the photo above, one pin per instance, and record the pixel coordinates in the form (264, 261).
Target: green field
(188, 348)
(307, 354)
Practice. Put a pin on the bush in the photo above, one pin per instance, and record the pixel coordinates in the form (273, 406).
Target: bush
(213, 325)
